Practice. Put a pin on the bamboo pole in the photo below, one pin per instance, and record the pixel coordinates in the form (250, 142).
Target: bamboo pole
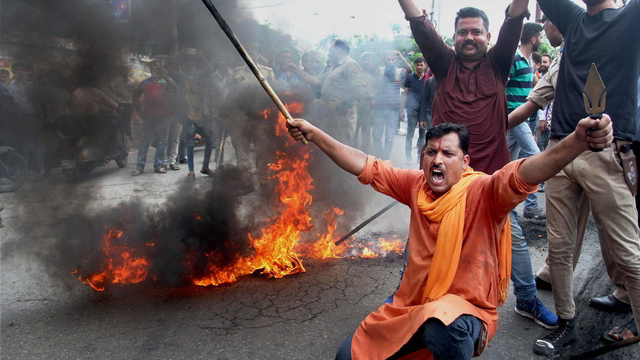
(245, 56)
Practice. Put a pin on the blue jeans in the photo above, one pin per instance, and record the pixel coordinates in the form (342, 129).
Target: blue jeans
(203, 128)
(524, 284)
(522, 145)
(153, 127)
(454, 342)
(384, 123)
(412, 123)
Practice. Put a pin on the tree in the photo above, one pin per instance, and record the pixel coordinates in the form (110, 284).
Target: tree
(546, 48)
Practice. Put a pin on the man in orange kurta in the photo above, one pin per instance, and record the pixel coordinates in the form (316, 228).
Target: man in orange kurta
(459, 239)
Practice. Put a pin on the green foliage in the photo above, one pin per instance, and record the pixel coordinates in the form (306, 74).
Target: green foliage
(447, 40)
(546, 48)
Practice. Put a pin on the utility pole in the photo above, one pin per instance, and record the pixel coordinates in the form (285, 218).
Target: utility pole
(173, 24)
(433, 9)
(439, 13)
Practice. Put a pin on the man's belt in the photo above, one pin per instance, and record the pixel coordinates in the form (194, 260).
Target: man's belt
(628, 164)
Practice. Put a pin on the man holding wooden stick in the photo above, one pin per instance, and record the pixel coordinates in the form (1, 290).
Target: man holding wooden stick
(459, 259)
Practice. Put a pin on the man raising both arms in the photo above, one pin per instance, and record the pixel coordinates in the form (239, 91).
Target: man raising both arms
(459, 257)
(471, 91)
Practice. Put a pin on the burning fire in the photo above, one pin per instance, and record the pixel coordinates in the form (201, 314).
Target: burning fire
(325, 247)
(276, 251)
(366, 253)
(120, 265)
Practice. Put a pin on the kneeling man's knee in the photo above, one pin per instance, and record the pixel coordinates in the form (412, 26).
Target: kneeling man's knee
(455, 341)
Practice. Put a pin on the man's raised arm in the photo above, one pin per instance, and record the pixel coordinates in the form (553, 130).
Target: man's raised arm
(589, 133)
(410, 9)
(437, 54)
(518, 7)
(348, 158)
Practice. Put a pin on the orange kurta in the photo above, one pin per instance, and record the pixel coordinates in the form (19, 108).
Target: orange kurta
(474, 290)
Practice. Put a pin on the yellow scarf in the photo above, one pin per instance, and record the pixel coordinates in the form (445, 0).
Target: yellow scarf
(448, 210)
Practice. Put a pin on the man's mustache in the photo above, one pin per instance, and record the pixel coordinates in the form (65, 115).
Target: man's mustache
(469, 43)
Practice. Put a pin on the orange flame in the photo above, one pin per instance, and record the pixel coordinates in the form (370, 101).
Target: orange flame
(388, 246)
(325, 247)
(274, 249)
(120, 265)
(366, 253)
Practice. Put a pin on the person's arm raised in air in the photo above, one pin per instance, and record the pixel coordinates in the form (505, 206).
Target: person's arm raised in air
(518, 7)
(349, 159)
(509, 38)
(590, 133)
(437, 54)
(410, 8)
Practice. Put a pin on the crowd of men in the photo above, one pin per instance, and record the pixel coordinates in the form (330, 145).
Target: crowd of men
(492, 113)
(181, 102)
(478, 110)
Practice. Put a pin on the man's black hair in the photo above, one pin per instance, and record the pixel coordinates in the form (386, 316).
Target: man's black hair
(18, 65)
(529, 31)
(418, 60)
(471, 12)
(536, 58)
(547, 55)
(342, 45)
(4, 71)
(440, 130)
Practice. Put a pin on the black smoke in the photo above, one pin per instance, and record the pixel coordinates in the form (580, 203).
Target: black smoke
(200, 224)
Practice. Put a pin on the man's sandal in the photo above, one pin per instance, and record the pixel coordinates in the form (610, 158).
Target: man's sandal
(160, 170)
(137, 171)
(620, 333)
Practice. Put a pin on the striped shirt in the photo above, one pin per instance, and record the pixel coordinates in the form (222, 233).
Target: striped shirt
(520, 81)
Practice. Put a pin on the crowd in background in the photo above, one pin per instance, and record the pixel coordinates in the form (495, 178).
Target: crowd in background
(180, 105)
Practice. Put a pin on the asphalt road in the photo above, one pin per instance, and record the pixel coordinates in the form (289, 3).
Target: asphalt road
(302, 316)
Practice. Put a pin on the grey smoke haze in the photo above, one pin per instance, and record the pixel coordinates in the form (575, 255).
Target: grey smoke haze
(73, 239)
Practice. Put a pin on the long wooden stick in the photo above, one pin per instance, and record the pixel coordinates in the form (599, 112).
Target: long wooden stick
(366, 222)
(245, 56)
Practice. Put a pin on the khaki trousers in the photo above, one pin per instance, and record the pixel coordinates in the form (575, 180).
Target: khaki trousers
(615, 274)
(600, 177)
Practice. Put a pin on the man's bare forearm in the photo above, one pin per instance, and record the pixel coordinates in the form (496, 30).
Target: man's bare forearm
(543, 166)
(349, 159)
(405, 98)
(522, 113)
(410, 8)
(518, 7)
(589, 134)
(306, 77)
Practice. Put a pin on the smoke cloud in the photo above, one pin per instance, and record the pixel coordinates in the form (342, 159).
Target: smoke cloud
(200, 224)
